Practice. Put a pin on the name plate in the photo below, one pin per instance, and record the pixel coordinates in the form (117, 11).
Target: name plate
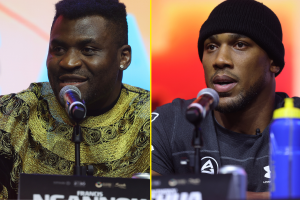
(57, 187)
(196, 187)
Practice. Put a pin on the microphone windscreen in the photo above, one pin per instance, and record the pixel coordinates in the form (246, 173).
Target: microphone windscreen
(67, 88)
(213, 94)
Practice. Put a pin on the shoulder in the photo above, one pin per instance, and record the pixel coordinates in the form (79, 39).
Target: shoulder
(171, 114)
(20, 104)
(137, 101)
(137, 94)
(177, 106)
(26, 97)
(296, 102)
(32, 93)
(135, 90)
(280, 96)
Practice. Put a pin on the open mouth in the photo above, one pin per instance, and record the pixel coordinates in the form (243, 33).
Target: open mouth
(224, 83)
(72, 79)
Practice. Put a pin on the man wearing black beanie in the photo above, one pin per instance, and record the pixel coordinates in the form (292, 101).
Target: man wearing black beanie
(240, 47)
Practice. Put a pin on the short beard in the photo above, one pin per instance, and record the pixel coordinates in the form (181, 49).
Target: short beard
(243, 99)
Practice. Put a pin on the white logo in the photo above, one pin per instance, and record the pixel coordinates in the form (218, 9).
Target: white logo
(156, 183)
(267, 169)
(172, 182)
(194, 181)
(173, 193)
(79, 183)
(209, 167)
(99, 184)
(152, 148)
(120, 185)
(154, 116)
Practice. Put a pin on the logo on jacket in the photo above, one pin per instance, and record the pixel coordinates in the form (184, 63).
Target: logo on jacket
(154, 116)
(267, 169)
(210, 165)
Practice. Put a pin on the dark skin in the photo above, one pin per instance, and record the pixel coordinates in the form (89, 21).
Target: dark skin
(240, 58)
(83, 52)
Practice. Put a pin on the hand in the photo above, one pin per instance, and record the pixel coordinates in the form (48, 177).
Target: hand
(258, 195)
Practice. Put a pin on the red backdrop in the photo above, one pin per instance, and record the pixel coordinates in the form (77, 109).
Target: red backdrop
(176, 68)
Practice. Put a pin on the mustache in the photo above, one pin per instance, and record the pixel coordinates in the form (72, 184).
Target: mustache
(221, 71)
(78, 72)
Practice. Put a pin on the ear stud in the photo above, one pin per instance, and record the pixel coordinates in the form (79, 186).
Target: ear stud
(121, 66)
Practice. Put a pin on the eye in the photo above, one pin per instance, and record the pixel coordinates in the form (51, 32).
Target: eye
(58, 50)
(241, 45)
(211, 47)
(88, 51)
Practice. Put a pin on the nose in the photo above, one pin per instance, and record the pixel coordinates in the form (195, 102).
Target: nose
(71, 60)
(223, 58)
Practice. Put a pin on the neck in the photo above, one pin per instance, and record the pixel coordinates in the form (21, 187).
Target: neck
(105, 105)
(258, 114)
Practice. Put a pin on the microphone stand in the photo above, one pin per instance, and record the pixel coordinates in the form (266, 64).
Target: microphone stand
(195, 117)
(197, 143)
(77, 139)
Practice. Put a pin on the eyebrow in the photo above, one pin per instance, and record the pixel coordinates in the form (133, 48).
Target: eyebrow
(237, 36)
(213, 37)
(232, 36)
(86, 41)
(78, 43)
(57, 42)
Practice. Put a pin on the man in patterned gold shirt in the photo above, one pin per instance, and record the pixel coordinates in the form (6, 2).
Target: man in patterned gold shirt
(89, 49)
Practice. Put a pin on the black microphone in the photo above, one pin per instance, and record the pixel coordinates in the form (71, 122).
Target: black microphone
(70, 96)
(207, 99)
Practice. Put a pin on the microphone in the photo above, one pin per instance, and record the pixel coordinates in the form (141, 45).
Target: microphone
(70, 96)
(207, 99)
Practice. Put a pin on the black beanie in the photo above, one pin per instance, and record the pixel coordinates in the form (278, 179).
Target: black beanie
(250, 18)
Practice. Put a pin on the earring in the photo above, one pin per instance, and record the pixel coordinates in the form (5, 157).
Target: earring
(121, 66)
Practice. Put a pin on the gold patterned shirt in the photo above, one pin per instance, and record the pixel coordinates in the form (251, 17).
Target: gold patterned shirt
(35, 136)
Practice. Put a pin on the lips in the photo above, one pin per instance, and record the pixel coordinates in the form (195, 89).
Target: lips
(224, 83)
(72, 79)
